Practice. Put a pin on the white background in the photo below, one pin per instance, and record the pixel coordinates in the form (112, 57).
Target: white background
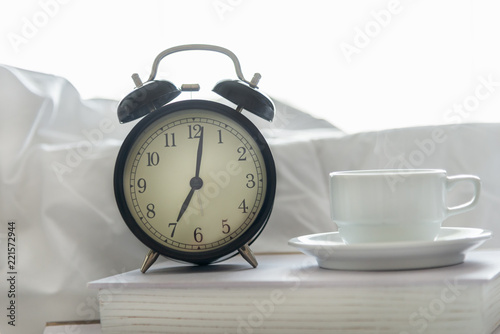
(409, 62)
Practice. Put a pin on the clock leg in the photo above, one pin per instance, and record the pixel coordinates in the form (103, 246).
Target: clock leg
(149, 260)
(247, 254)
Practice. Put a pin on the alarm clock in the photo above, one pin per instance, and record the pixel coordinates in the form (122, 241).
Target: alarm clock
(195, 180)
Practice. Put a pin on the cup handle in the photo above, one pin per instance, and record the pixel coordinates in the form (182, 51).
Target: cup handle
(476, 182)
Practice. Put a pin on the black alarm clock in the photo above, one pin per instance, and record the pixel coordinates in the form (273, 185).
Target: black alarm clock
(195, 180)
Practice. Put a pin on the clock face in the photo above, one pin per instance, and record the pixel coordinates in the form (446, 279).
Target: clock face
(195, 181)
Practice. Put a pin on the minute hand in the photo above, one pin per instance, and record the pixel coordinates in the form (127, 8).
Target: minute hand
(199, 153)
(196, 182)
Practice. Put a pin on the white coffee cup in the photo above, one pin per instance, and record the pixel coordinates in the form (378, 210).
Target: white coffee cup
(394, 205)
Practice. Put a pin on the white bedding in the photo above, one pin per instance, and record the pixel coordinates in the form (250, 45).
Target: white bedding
(56, 165)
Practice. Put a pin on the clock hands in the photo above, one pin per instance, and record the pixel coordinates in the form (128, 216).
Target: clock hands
(198, 154)
(196, 182)
(185, 204)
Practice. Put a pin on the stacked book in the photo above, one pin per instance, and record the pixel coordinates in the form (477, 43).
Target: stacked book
(291, 294)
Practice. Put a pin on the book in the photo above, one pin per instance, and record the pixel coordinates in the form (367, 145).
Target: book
(289, 293)
(80, 327)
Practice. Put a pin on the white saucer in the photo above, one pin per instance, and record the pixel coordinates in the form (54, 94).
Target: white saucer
(447, 249)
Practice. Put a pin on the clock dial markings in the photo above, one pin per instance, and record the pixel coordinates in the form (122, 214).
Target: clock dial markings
(218, 191)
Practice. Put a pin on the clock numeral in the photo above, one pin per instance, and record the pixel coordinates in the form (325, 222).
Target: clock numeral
(242, 151)
(141, 184)
(170, 141)
(225, 227)
(198, 237)
(243, 207)
(220, 137)
(151, 210)
(250, 182)
(173, 231)
(153, 158)
(197, 129)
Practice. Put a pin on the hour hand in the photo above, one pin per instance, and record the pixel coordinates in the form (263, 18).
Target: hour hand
(195, 183)
(186, 203)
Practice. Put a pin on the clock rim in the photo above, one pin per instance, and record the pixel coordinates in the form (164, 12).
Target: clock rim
(225, 251)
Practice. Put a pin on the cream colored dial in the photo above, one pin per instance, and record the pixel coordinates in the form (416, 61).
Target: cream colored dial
(194, 180)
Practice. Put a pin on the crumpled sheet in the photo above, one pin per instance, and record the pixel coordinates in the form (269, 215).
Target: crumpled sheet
(305, 160)
(56, 166)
